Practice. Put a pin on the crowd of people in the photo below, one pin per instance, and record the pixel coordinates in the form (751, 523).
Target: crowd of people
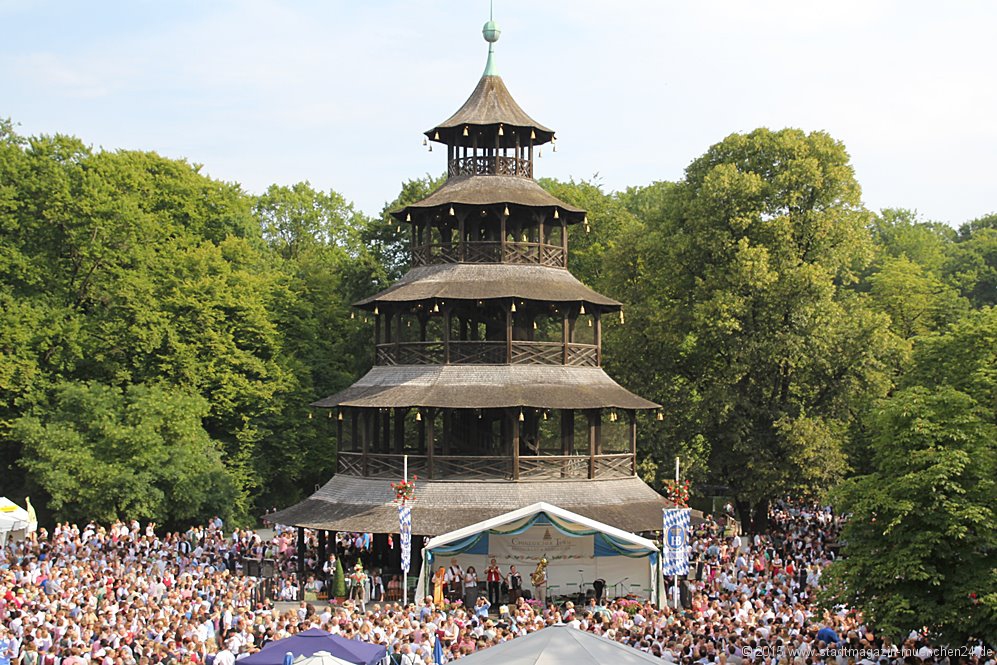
(127, 595)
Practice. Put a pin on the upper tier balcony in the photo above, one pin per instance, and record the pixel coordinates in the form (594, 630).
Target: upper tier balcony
(522, 253)
(490, 165)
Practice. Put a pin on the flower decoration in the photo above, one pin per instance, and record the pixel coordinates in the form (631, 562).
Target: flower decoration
(404, 490)
(678, 492)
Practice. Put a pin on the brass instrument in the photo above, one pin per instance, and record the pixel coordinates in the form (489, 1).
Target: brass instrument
(539, 576)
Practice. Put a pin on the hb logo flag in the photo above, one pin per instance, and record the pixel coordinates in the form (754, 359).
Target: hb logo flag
(405, 531)
(675, 557)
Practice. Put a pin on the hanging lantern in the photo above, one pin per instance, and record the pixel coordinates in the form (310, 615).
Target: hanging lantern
(545, 414)
(398, 229)
(376, 312)
(540, 153)
(513, 307)
(660, 415)
(436, 135)
(309, 415)
(430, 147)
(506, 211)
(452, 213)
(534, 325)
(521, 416)
(612, 416)
(533, 135)
(501, 130)
(329, 415)
(553, 144)
(557, 215)
(621, 317)
(353, 315)
(408, 217)
(582, 309)
(339, 415)
(590, 323)
(465, 130)
(436, 307)
(418, 416)
(425, 142)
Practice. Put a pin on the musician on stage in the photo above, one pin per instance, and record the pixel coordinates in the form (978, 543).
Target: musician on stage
(539, 579)
(455, 582)
(493, 576)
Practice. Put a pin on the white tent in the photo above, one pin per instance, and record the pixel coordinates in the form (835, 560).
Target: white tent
(15, 522)
(579, 551)
(560, 645)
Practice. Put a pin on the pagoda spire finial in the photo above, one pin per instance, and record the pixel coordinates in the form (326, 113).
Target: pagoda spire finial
(491, 34)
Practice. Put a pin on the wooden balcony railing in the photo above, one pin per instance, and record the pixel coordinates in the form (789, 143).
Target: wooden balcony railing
(490, 165)
(486, 467)
(487, 353)
(529, 253)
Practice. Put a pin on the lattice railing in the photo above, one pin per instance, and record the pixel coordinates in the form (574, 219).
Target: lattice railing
(471, 467)
(478, 353)
(381, 465)
(351, 464)
(522, 252)
(614, 466)
(537, 353)
(482, 252)
(583, 355)
(411, 353)
(552, 256)
(435, 253)
(490, 165)
(553, 467)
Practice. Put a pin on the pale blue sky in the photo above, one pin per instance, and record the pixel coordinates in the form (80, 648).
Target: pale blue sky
(338, 93)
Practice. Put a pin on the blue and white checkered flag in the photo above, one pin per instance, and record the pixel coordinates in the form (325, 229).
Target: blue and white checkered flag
(675, 554)
(405, 531)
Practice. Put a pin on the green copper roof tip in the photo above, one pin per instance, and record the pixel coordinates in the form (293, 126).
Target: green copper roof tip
(491, 34)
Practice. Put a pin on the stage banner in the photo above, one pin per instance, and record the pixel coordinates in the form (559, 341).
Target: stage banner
(405, 531)
(537, 541)
(675, 557)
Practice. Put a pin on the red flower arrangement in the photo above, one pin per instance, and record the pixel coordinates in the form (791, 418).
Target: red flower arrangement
(405, 490)
(677, 492)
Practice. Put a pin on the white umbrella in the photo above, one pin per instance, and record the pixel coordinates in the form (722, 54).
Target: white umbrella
(320, 658)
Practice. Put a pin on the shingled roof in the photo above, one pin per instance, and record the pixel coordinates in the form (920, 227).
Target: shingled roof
(493, 190)
(490, 103)
(487, 387)
(350, 503)
(482, 281)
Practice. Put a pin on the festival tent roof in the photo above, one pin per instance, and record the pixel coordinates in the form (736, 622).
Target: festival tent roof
(310, 642)
(15, 522)
(564, 518)
(636, 557)
(557, 645)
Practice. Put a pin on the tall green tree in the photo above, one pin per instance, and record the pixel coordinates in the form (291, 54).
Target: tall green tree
(107, 453)
(759, 355)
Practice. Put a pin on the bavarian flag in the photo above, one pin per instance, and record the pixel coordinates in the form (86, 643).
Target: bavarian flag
(675, 548)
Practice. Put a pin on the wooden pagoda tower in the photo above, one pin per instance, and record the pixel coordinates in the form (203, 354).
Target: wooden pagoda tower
(488, 372)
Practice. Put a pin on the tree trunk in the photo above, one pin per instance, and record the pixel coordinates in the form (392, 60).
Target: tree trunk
(744, 514)
(760, 520)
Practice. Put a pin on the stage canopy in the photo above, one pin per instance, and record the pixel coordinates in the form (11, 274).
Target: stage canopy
(557, 645)
(579, 551)
(15, 522)
(311, 641)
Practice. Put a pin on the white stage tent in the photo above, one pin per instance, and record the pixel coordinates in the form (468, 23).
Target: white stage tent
(15, 522)
(579, 550)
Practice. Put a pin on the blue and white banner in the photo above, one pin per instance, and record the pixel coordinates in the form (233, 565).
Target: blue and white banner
(405, 531)
(675, 548)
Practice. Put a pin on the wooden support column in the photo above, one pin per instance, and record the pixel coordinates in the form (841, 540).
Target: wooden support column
(592, 442)
(386, 431)
(339, 430)
(598, 432)
(508, 334)
(564, 241)
(398, 336)
(515, 443)
(462, 245)
(301, 563)
(321, 548)
(565, 336)
(364, 439)
(567, 431)
(446, 335)
(448, 427)
(430, 436)
(399, 431)
(633, 442)
(598, 337)
(502, 236)
(354, 430)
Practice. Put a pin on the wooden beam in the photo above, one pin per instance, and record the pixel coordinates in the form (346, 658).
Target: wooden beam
(430, 421)
(567, 431)
(592, 442)
(515, 443)
(633, 442)
(399, 431)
